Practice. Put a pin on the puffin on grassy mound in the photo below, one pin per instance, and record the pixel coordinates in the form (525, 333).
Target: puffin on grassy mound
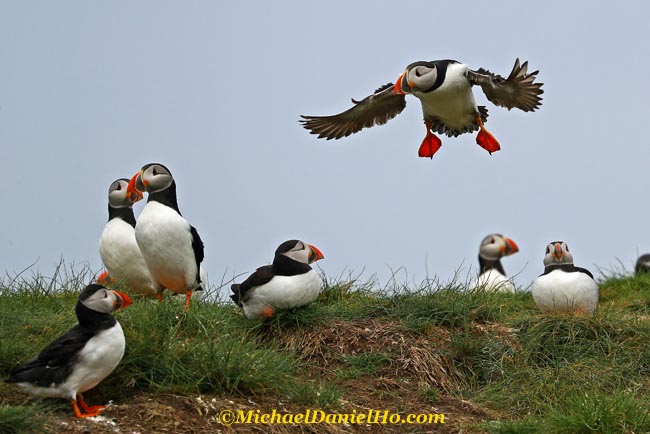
(288, 282)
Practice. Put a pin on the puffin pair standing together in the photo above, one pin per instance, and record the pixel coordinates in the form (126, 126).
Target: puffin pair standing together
(162, 250)
(444, 88)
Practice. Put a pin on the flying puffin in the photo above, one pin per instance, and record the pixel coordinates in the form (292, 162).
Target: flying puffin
(81, 358)
(171, 247)
(117, 245)
(642, 264)
(288, 282)
(492, 276)
(563, 287)
(444, 88)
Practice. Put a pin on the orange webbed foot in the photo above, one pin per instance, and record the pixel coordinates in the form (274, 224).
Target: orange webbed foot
(485, 139)
(93, 411)
(429, 146)
(188, 298)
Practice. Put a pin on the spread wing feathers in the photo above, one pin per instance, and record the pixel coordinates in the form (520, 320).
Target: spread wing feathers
(376, 109)
(518, 90)
(261, 276)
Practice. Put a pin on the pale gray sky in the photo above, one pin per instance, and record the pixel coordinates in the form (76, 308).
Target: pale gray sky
(91, 91)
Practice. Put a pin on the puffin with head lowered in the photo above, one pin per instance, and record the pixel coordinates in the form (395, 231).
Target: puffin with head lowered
(444, 88)
(81, 358)
(563, 287)
(492, 276)
(288, 282)
(117, 245)
(171, 247)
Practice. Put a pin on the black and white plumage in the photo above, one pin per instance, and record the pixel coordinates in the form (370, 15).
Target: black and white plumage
(171, 247)
(444, 88)
(563, 287)
(288, 282)
(118, 247)
(492, 276)
(642, 264)
(82, 357)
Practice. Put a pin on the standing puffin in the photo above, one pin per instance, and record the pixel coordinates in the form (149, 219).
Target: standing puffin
(642, 264)
(81, 358)
(563, 287)
(117, 245)
(492, 276)
(171, 247)
(288, 282)
(444, 88)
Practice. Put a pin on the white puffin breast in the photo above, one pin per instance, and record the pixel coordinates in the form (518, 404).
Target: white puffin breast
(559, 291)
(165, 240)
(122, 257)
(283, 292)
(493, 280)
(453, 102)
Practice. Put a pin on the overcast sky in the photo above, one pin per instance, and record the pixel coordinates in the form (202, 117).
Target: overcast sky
(91, 91)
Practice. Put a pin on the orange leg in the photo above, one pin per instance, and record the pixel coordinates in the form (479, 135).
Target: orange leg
(430, 144)
(485, 139)
(89, 411)
(159, 296)
(188, 298)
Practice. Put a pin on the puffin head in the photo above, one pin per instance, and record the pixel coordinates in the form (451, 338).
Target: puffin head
(151, 178)
(418, 77)
(117, 194)
(496, 246)
(299, 251)
(100, 299)
(557, 252)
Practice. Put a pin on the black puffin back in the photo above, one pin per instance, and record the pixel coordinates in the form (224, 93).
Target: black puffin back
(490, 264)
(124, 213)
(166, 197)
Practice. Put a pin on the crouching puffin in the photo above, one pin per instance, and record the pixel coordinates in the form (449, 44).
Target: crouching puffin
(563, 287)
(117, 245)
(492, 276)
(444, 88)
(81, 358)
(288, 282)
(171, 247)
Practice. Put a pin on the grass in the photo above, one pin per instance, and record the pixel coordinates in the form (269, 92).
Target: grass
(523, 371)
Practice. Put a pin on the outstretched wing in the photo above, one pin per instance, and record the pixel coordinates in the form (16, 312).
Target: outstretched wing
(518, 90)
(376, 109)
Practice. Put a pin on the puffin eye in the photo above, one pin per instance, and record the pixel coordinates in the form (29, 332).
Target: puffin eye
(492, 240)
(154, 171)
(548, 250)
(119, 187)
(566, 247)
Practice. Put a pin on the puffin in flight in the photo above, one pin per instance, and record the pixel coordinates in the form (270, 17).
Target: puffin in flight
(171, 247)
(117, 245)
(444, 88)
(492, 276)
(81, 358)
(288, 282)
(563, 287)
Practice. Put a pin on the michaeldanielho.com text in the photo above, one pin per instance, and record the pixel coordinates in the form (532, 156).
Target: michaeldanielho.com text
(379, 417)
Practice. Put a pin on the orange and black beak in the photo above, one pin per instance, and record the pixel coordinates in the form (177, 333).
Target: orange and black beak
(314, 254)
(122, 301)
(509, 247)
(401, 87)
(136, 187)
(558, 253)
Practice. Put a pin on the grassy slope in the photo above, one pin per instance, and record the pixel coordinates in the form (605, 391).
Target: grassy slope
(491, 362)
